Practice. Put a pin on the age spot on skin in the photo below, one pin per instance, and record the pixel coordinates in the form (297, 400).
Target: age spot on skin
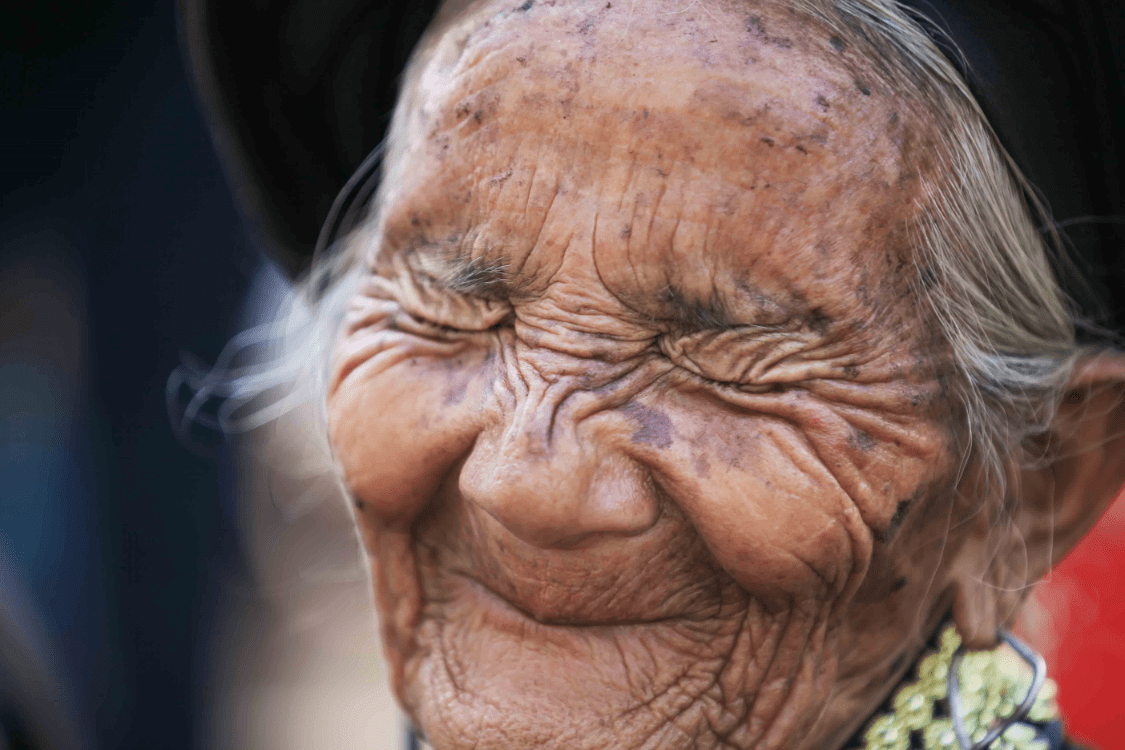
(863, 87)
(755, 27)
(862, 441)
(897, 519)
(817, 320)
(837, 43)
(653, 427)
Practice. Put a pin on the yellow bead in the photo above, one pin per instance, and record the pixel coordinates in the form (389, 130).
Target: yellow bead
(939, 736)
(885, 733)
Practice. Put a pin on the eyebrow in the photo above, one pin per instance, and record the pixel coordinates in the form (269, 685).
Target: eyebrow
(696, 315)
(462, 274)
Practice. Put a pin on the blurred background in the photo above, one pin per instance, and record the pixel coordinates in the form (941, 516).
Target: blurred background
(120, 249)
(155, 591)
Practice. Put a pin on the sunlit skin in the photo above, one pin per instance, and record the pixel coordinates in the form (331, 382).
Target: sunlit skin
(649, 442)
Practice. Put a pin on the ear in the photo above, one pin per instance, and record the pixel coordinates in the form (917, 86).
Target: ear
(1057, 503)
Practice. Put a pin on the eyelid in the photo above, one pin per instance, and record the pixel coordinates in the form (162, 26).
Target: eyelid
(428, 304)
(672, 349)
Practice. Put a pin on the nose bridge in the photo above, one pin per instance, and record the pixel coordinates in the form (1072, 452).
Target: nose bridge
(550, 469)
(539, 432)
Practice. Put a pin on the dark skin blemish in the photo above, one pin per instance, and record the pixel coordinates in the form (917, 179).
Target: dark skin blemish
(653, 427)
(626, 231)
(861, 440)
(822, 103)
(802, 149)
(755, 27)
(898, 585)
(818, 321)
(527, 5)
(454, 396)
(837, 43)
(897, 519)
(851, 372)
(768, 141)
(863, 87)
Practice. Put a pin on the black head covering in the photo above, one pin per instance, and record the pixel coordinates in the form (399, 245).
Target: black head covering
(300, 92)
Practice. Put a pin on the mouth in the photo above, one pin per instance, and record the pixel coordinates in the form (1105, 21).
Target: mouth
(546, 610)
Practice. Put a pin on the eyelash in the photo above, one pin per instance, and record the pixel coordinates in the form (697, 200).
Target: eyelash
(734, 387)
(729, 386)
(434, 327)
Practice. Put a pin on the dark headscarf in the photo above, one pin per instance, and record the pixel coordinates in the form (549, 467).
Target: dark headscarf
(300, 93)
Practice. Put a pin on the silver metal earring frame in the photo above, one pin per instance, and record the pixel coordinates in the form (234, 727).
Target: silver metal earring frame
(956, 710)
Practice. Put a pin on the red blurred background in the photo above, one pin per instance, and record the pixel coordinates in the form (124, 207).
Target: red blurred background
(1082, 606)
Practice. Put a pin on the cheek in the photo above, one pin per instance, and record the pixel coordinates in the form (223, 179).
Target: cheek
(400, 420)
(767, 509)
(788, 502)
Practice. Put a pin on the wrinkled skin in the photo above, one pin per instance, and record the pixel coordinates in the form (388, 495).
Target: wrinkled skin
(649, 443)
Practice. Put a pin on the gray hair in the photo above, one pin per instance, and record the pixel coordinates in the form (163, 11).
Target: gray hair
(986, 249)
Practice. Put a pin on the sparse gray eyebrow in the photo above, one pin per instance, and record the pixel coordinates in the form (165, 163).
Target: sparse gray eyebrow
(693, 315)
(460, 273)
(478, 276)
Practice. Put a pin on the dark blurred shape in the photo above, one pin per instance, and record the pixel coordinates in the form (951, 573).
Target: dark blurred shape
(42, 470)
(297, 109)
(120, 249)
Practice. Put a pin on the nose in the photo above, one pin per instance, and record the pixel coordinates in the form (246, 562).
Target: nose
(556, 477)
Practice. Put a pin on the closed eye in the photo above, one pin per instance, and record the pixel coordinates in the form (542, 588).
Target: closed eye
(427, 309)
(454, 317)
(735, 386)
(722, 372)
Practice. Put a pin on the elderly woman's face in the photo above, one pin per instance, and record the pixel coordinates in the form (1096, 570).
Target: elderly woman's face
(648, 441)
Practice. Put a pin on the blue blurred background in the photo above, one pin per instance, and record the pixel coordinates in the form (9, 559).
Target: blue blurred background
(120, 250)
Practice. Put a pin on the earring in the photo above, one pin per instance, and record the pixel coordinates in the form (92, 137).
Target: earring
(957, 709)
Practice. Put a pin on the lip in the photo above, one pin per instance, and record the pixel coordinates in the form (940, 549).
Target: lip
(511, 614)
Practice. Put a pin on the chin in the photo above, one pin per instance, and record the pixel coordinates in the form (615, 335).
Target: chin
(473, 669)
